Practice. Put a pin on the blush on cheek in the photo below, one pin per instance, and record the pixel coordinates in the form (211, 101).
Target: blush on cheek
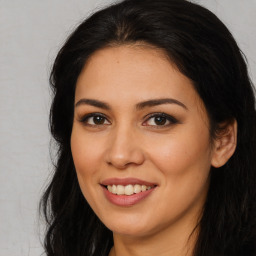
(169, 156)
(84, 155)
(179, 159)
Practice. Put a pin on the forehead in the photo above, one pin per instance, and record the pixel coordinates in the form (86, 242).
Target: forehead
(133, 72)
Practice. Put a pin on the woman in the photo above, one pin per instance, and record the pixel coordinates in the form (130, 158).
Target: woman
(154, 116)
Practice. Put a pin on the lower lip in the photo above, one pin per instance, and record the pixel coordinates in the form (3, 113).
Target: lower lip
(123, 200)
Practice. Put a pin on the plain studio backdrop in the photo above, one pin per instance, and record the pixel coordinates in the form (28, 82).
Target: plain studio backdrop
(31, 33)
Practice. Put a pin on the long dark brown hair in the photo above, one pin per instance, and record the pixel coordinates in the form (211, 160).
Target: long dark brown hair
(203, 50)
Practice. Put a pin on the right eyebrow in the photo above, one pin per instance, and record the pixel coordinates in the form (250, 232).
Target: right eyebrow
(95, 103)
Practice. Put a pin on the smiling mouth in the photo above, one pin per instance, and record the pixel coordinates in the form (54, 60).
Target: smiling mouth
(127, 190)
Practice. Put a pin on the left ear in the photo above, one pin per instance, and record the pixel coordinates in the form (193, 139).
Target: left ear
(225, 143)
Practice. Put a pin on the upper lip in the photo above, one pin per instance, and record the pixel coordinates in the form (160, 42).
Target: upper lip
(126, 181)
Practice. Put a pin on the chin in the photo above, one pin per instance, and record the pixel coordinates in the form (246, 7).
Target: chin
(130, 231)
(127, 227)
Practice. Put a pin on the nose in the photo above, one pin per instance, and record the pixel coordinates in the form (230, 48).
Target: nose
(125, 148)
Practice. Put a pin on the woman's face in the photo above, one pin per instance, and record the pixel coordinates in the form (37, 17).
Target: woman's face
(140, 141)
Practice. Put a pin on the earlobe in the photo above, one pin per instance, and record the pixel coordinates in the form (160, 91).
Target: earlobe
(224, 144)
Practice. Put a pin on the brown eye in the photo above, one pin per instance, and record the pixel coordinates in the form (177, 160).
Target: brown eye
(160, 119)
(98, 120)
(95, 120)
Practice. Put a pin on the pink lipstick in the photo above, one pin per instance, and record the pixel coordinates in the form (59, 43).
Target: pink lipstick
(126, 192)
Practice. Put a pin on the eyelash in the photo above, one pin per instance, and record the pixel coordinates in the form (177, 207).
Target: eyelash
(166, 118)
(85, 119)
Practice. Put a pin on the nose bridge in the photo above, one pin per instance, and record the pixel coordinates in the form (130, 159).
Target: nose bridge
(124, 147)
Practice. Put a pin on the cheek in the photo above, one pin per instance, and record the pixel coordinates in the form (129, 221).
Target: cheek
(85, 151)
(86, 156)
(183, 153)
(184, 164)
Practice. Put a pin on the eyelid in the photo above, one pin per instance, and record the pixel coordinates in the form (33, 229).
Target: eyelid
(84, 118)
(172, 120)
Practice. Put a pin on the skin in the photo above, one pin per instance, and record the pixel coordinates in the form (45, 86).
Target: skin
(176, 156)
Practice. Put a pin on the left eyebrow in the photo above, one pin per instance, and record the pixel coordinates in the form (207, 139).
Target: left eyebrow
(156, 102)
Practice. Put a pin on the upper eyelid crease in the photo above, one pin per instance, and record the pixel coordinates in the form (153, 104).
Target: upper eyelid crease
(139, 106)
(162, 114)
(93, 115)
(168, 117)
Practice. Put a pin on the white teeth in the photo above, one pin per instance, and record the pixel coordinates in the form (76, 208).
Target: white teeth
(120, 190)
(114, 189)
(137, 188)
(143, 188)
(128, 189)
(109, 188)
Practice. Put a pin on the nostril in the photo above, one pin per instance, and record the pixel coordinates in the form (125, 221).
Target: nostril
(119, 163)
(124, 152)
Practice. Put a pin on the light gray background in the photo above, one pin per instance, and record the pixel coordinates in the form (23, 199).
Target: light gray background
(31, 32)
